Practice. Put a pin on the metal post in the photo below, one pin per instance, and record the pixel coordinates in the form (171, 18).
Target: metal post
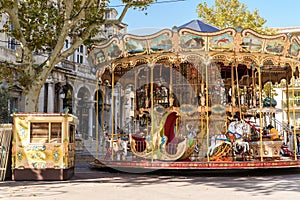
(113, 111)
(260, 112)
(152, 111)
(207, 110)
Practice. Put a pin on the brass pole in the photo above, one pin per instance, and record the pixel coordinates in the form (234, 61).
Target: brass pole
(288, 100)
(238, 91)
(260, 113)
(152, 110)
(294, 117)
(170, 88)
(113, 111)
(207, 110)
(135, 100)
(232, 87)
(253, 88)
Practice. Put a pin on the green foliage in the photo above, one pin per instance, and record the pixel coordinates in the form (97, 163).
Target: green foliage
(42, 27)
(234, 14)
(268, 90)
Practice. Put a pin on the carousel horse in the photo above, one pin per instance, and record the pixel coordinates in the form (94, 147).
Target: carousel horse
(239, 128)
(233, 137)
(216, 141)
(119, 147)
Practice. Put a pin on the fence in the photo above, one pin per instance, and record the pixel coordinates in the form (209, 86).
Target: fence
(5, 142)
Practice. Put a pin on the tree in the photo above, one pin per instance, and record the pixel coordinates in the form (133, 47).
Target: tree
(4, 106)
(42, 27)
(232, 13)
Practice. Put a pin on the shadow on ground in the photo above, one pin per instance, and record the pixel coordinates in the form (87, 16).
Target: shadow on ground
(256, 182)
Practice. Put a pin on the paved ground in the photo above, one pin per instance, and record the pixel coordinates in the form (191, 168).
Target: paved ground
(96, 184)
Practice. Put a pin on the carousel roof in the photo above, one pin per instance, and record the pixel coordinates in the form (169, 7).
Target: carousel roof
(200, 26)
(277, 56)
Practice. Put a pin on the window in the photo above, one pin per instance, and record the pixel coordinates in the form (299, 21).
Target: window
(39, 132)
(79, 54)
(67, 44)
(12, 43)
(79, 59)
(71, 133)
(55, 136)
(131, 104)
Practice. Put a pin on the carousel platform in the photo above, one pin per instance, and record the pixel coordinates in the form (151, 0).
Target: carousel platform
(188, 165)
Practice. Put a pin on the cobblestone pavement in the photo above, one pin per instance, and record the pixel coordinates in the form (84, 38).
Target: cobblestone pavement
(98, 184)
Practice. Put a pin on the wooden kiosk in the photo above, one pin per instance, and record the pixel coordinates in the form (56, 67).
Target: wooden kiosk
(43, 146)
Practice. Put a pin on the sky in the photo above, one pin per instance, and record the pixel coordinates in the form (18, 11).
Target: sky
(169, 13)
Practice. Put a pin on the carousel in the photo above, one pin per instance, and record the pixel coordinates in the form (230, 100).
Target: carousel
(197, 100)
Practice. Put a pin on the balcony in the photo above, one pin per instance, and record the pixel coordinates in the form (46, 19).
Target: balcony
(292, 103)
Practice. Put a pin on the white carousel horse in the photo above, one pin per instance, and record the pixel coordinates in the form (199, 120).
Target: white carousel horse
(119, 147)
(216, 141)
(233, 137)
(239, 128)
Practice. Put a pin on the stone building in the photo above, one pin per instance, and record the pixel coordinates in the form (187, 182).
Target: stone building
(71, 85)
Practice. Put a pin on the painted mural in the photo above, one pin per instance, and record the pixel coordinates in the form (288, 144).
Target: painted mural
(101, 58)
(133, 46)
(294, 49)
(161, 43)
(222, 42)
(190, 42)
(275, 46)
(251, 44)
(113, 51)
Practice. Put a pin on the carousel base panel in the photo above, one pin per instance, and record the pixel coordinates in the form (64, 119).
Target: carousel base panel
(42, 174)
(268, 149)
(196, 165)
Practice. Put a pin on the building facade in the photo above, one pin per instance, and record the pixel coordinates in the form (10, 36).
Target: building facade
(72, 85)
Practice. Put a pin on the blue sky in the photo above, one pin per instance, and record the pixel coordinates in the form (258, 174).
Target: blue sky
(278, 13)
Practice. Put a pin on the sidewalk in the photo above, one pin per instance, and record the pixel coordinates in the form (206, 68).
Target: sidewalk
(96, 184)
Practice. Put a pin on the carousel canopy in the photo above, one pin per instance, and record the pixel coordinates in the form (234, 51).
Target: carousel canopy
(276, 57)
(200, 26)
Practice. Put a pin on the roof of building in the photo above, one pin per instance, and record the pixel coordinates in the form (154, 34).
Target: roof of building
(293, 30)
(198, 25)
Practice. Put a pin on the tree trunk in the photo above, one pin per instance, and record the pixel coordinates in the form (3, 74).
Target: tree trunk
(32, 97)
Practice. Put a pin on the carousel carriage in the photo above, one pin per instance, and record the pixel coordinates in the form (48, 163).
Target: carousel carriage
(189, 87)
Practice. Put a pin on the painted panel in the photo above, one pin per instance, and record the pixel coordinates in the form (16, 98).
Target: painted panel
(190, 42)
(294, 49)
(251, 44)
(39, 156)
(275, 46)
(161, 43)
(108, 53)
(133, 46)
(224, 42)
